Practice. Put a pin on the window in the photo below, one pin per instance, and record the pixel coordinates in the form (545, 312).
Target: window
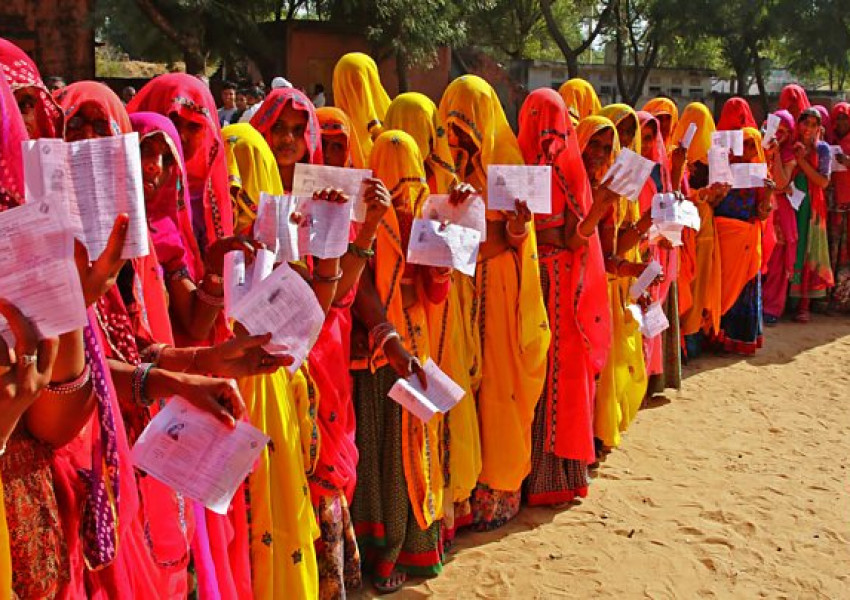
(676, 91)
(655, 90)
(695, 93)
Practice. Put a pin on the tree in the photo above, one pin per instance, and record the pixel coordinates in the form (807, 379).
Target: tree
(816, 40)
(573, 49)
(506, 26)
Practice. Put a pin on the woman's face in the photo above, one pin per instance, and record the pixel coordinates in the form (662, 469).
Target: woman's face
(626, 129)
(463, 149)
(598, 152)
(647, 139)
(751, 153)
(808, 128)
(287, 136)
(335, 150)
(664, 122)
(241, 102)
(842, 125)
(157, 164)
(27, 103)
(89, 122)
(783, 133)
(191, 135)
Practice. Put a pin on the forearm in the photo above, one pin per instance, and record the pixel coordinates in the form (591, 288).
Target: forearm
(813, 174)
(629, 238)
(367, 306)
(196, 317)
(353, 261)
(71, 358)
(56, 419)
(326, 275)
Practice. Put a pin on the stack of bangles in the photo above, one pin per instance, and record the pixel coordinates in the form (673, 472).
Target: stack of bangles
(207, 298)
(140, 380)
(517, 236)
(73, 386)
(380, 334)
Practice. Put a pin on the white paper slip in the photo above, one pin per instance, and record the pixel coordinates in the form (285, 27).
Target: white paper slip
(471, 214)
(274, 227)
(719, 169)
(770, 130)
(642, 283)
(689, 136)
(636, 312)
(240, 276)
(671, 231)
(628, 174)
(37, 269)
(507, 183)
(731, 140)
(668, 208)
(748, 175)
(796, 197)
(309, 179)
(95, 180)
(192, 452)
(836, 166)
(442, 394)
(324, 227)
(654, 321)
(437, 245)
(284, 305)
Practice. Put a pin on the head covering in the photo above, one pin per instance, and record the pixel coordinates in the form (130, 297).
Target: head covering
(618, 113)
(12, 134)
(786, 150)
(73, 97)
(657, 151)
(794, 99)
(590, 126)
(21, 73)
(824, 115)
(751, 133)
(736, 114)
(252, 169)
(358, 91)
(280, 82)
(663, 106)
(695, 112)
(179, 94)
(417, 115)
(543, 118)
(840, 108)
(333, 122)
(169, 213)
(580, 98)
(268, 115)
(470, 104)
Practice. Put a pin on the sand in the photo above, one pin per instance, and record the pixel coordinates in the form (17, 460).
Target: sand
(735, 488)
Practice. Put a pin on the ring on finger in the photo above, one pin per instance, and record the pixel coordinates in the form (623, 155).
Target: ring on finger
(28, 359)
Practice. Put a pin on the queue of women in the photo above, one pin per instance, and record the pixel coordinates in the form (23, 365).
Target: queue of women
(544, 339)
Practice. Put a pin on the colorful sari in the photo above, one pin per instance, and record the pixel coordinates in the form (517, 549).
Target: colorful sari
(575, 288)
(358, 92)
(736, 114)
(282, 522)
(659, 107)
(454, 344)
(511, 314)
(622, 382)
(580, 98)
(23, 75)
(398, 502)
(839, 218)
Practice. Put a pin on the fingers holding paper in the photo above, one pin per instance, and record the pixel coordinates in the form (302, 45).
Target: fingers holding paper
(98, 276)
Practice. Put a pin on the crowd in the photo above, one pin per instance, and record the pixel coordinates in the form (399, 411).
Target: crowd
(544, 339)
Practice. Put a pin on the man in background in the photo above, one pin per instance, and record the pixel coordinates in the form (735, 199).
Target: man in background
(228, 104)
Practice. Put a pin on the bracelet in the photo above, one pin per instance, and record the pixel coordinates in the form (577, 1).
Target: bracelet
(71, 387)
(359, 252)
(140, 379)
(331, 279)
(153, 353)
(192, 360)
(380, 334)
(580, 235)
(209, 299)
(517, 236)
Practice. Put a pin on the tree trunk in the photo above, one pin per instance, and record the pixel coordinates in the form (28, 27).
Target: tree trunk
(401, 72)
(196, 63)
(757, 67)
(571, 55)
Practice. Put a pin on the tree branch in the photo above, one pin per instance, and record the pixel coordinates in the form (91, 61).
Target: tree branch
(600, 24)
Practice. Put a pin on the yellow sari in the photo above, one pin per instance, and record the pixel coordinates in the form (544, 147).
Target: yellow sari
(283, 524)
(358, 91)
(616, 113)
(580, 98)
(704, 280)
(455, 346)
(623, 381)
(512, 316)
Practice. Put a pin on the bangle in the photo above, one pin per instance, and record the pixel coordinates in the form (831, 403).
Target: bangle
(140, 380)
(517, 236)
(192, 360)
(329, 279)
(73, 386)
(153, 353)
(381, 334)
(579, 233)
(209, 299)
(359, 252)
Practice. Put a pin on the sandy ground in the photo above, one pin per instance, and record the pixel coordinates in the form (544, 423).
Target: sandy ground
(735, 487)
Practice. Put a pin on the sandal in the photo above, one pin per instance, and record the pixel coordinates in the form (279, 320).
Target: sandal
(803, 316)
(391, 584)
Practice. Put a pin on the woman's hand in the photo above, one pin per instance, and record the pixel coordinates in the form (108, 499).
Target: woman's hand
(98, 276)
(678, 157)
(333, 195)
(460, 193)
(604, 198)
(519, 218)
(242, 356)
(378, 201)
(402, 362)
(214, 263)
(218, 397)
(800, 151)
(24, 374)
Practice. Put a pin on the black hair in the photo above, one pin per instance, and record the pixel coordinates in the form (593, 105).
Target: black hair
(228, 85)
(320, 89)
(809, 112)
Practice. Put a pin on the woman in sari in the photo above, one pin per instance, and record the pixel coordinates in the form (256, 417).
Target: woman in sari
(667, 113)
(794, 99)
(663, 355)
(780, 265)
(736, 114)
(572, 276)
(41, 114)
(699, 270)
(738, 219)
(455, 345)
(580, 98)
(510, 311)
(812, 276)
(622, 383)
(398, 501)
(839, 210)
(359, 93)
